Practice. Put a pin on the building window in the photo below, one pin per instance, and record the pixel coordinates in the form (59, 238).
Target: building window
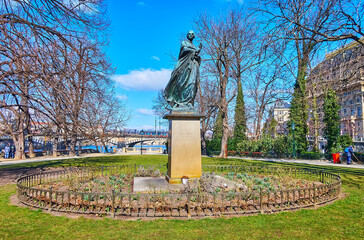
(359, 111)
(352, 112)
(345, 112)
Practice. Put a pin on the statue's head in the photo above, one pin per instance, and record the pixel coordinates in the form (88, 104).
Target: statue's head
(190, 35)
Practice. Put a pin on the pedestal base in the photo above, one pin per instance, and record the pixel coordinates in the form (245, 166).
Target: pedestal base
(179, 180)
(184, 146)
(154, 184)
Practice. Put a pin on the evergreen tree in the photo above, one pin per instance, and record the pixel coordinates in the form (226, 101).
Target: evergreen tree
(240, 117)
(298, 113)
(215, 144)
(269, 127)
(331, 118)
(218, 127)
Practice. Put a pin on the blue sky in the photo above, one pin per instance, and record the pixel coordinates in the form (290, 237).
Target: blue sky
(143, 35)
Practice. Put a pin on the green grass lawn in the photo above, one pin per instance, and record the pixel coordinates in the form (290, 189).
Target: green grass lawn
(342, 220)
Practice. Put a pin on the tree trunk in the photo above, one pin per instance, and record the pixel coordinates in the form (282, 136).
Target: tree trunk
(224, 115)
(19, 136)
(225, 136)
(65, 140)
(105, 147)
(96, 146)
(316, 120)
(79, 149)
(257, 130)
(203, 144)
(31, 146)
(19, 146)
(55, 146)
(73, 145)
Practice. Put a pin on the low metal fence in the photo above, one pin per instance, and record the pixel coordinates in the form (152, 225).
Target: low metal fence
(177, 205)
(306, 156)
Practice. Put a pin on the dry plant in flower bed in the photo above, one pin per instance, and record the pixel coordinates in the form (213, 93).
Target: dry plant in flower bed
(100, 183)
(269, 182)
(96, 184)
(209, 183)
(225, 190)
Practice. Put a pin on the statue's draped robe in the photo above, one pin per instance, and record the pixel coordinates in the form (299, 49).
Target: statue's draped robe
(182, 87)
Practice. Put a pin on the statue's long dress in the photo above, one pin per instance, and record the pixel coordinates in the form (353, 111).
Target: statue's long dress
(182, 87)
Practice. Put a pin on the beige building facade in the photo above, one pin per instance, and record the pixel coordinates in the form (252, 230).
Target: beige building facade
(281, 115)
(342, 71)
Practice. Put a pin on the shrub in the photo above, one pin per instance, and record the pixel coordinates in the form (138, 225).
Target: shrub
(213, 145)
(280, 146)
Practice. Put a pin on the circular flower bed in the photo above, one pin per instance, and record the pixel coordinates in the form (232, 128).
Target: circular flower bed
(221, 190)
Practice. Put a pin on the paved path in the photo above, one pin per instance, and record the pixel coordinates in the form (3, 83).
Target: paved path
(6, 162)
(310, 162)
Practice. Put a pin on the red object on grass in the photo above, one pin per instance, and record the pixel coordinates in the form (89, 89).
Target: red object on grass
(336, 157)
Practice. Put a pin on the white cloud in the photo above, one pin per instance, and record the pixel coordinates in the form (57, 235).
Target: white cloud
(144, 79)
(155, 58)
(145, 111)
(141, 4)
(122, 97)
(240, 2)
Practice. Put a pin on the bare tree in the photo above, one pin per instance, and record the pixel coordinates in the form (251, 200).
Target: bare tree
(207, 104)
(104, 118)
(323, 20)
(227, 45)
(160, 105)
(42, 43)
(265, 85)
(304, 26)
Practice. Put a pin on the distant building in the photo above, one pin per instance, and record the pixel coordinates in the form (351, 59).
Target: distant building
(281, 115)
(342, 71)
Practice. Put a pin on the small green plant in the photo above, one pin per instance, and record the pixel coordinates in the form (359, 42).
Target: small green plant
(230, 175)
(258, 181)
(123, 176)
(231, 194)
(135, 197)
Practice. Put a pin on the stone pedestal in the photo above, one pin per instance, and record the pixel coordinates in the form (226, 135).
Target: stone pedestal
(184, 146)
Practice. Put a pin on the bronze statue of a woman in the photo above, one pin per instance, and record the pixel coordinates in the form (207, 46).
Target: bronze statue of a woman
(181, 89)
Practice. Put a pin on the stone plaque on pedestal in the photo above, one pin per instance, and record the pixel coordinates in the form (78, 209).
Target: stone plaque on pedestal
(184, 146)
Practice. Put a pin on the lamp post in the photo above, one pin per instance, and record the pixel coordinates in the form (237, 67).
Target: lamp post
(141, 142)
(294, 149)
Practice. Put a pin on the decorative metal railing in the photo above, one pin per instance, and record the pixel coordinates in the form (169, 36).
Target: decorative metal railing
(197, 204)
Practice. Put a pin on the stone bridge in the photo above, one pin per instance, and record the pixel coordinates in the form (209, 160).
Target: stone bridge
(122, 141)
(131, 141)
